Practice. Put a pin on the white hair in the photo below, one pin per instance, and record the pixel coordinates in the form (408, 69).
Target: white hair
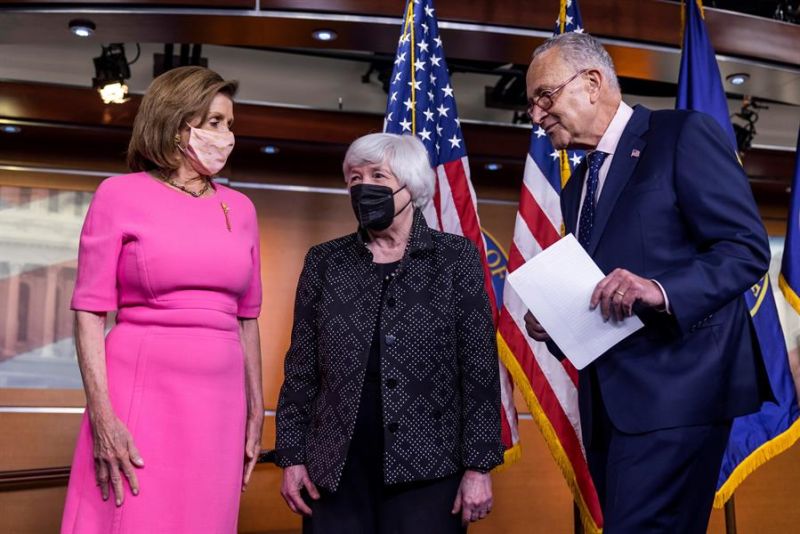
(405, 156)
(582, 51)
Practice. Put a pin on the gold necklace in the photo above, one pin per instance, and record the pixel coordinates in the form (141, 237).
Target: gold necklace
(195, 194)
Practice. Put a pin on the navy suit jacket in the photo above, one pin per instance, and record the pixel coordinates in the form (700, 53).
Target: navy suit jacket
(676, 207)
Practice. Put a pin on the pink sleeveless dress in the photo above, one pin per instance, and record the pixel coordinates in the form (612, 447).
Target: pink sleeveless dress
(179, 270)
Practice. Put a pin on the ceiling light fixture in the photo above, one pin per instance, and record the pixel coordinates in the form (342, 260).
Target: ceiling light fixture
(270, 149)
(492, 166)
(111, 70)
(82, 28)
(324, 35)
(738, 78)
(10, 129)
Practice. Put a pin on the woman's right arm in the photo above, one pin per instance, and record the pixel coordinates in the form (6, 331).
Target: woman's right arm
(300, 388)
(114, 451)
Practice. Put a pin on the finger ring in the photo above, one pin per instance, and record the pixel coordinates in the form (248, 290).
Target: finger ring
(620, 293)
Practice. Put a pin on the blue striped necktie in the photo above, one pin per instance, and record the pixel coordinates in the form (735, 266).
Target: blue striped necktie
(596, 159)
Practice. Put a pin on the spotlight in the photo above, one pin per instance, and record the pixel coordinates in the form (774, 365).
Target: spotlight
(111, 70)
(744, 123)
(738, 79)
(324, 35)
(114, 93)
(270, 149)
(10, 129)
(82, 28)
(492, 166)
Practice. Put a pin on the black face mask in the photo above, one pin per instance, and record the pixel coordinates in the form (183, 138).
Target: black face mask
(374, 205)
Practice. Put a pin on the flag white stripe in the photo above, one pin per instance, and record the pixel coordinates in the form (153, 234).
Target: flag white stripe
(542, 192)
(450, 220)
(524, 240)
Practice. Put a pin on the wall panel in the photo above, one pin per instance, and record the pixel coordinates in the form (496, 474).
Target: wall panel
(530, 496)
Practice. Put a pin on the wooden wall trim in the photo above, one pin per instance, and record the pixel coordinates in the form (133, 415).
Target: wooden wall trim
(644, 21)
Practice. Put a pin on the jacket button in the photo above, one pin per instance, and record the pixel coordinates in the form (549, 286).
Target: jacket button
(393, 427)
(390, 340)
(391, 383)
(437, 415)
(390, 302)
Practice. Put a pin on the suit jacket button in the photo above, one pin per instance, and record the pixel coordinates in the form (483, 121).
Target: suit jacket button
(391, 383)
(437, 415)
(390, 302)
(393, 427)
(390, 340)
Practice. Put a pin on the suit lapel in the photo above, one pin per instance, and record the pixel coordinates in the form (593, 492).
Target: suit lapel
(626, 156)
(572, 196)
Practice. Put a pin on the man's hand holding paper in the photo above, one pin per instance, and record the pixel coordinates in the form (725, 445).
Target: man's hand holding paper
(559, 286)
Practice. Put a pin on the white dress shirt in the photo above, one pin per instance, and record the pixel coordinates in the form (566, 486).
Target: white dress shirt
(608, 144)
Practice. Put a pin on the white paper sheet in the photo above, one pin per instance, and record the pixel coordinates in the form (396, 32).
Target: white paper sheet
(556, 286)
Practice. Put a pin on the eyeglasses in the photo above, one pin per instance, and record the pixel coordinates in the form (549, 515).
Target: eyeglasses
(546, 99)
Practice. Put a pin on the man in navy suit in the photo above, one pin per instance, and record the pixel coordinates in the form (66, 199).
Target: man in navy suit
(662, 205)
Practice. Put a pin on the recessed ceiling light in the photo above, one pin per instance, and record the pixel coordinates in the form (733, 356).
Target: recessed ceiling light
(492, 166)
(10, 129)
(738, 79)
(270, 149)
(82, 28)
(324, 35)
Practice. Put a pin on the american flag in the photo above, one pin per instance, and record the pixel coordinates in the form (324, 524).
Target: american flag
(549, 387)
(421, 102)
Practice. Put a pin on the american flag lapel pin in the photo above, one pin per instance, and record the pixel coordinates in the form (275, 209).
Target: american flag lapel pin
(635, 153)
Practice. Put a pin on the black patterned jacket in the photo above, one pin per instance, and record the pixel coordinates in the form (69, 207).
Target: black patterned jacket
(439, 369)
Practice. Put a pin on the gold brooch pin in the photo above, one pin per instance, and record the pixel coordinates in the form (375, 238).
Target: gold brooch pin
(225, 210)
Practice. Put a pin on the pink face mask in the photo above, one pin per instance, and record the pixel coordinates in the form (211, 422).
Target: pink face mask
(207, 151)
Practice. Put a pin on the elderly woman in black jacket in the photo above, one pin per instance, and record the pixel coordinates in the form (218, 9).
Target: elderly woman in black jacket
(388, 420)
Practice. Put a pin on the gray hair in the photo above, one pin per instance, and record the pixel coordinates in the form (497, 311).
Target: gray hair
(406, 157)
(582, 51)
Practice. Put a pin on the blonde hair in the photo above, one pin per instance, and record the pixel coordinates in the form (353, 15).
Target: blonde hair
(173, 99)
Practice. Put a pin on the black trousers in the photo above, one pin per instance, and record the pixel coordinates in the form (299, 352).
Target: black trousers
(358, 507)
(362, 503)
(656, 482)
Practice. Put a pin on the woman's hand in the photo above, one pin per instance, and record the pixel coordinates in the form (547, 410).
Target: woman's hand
(252, 445)
(251, 346)
(115, 455)
(295, 477)
(474, 497)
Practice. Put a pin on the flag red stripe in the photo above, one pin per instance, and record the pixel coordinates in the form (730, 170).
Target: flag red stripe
(437, 203)
(468, 215)
(515, 258)
(540, 226)
(505, 427)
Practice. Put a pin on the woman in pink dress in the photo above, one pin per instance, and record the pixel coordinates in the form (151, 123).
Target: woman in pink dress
(174, 412)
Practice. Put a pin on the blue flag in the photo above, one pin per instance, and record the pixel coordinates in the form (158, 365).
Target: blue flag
(790, 266)
(699, 82)
(757, 437)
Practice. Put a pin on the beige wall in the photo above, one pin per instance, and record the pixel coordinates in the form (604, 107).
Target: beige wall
(530, 495)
